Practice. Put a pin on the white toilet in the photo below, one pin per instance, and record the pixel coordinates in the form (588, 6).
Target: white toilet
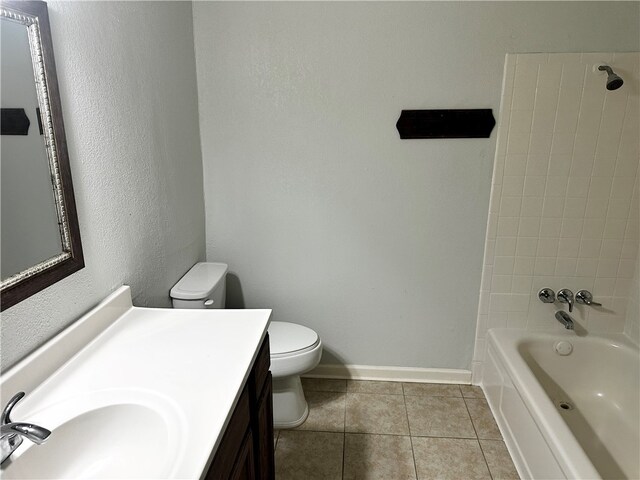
(295, 349)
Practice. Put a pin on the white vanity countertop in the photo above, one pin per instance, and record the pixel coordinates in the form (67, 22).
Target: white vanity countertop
(190, 364)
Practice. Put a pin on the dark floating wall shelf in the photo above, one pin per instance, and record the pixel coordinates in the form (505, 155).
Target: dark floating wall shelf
(14, 121)
(476, 123)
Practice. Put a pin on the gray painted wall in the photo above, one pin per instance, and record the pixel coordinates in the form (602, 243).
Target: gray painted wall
(128, 86)
(320, 210)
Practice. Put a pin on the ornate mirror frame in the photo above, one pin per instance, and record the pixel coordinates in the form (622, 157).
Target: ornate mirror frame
(34, 16)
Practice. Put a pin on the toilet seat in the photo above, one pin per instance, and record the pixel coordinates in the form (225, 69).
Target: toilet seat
(295, 349)
(290, 339)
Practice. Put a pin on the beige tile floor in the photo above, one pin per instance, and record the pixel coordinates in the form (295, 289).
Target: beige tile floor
(393, 431)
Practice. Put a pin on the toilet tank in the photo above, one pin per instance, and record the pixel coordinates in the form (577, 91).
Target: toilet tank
(203, 286)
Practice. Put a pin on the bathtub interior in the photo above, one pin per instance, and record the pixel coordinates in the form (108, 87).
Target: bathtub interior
(595, 390)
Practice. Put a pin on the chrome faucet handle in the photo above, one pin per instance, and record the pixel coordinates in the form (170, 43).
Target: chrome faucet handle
(546, 295)
(12, 433)
(584, 297)
(35, 433)
(9, 441)
(4, 418)
(566, 296)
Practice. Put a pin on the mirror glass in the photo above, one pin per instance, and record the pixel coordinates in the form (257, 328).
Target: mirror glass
(29, 227)
(39, 231)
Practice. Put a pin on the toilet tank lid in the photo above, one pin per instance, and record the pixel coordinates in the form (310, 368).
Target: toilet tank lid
(200, 281)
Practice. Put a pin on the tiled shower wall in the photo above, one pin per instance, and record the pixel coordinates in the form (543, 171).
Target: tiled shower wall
(564, 202)
(632, 325)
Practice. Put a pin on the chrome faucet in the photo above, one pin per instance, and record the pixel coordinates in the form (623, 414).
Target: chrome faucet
(566, 296)
(564, 318)
(12, 433)
(584, 297)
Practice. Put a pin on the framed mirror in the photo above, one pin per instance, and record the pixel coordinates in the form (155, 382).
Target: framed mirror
(40, 237)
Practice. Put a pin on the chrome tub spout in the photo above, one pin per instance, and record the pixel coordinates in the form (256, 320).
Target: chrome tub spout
(564, 318)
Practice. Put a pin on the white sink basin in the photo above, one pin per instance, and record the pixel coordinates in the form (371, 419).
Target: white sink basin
(107, 440)
(118, 441)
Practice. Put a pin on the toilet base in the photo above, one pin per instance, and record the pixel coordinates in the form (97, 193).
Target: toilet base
(290, 408)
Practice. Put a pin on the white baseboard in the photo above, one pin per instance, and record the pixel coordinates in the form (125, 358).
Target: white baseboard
(391, 374)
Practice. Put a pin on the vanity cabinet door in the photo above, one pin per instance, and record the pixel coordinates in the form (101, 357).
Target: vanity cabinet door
(245, 466)
(246, 449)
(232, 453)
(261, 394)
(264, 440)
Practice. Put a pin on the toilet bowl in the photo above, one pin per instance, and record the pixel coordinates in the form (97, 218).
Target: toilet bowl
(295, 349)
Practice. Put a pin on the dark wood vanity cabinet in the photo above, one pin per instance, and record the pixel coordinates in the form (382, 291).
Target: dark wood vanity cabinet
(246, 449)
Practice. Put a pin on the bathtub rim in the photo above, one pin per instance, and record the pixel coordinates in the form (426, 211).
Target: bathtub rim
(571, 458)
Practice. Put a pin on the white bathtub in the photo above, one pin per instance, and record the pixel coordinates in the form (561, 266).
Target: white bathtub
(528, 386)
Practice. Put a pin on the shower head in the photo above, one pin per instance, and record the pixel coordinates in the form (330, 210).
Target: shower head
(614, 82)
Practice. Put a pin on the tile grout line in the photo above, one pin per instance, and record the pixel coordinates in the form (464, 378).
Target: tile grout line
(344, 433)
(477, 438)
(406, 411)
(411, 436)
(394, 435)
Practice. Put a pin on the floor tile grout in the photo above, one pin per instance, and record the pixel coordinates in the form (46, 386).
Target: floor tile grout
(478, 439)
(344, 453)
(395, 435)
(413, 453)
(344, 436)
(473, 397)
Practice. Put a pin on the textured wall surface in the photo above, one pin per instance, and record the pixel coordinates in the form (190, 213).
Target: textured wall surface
(128, 86)
(564, 203)
(320, 210)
